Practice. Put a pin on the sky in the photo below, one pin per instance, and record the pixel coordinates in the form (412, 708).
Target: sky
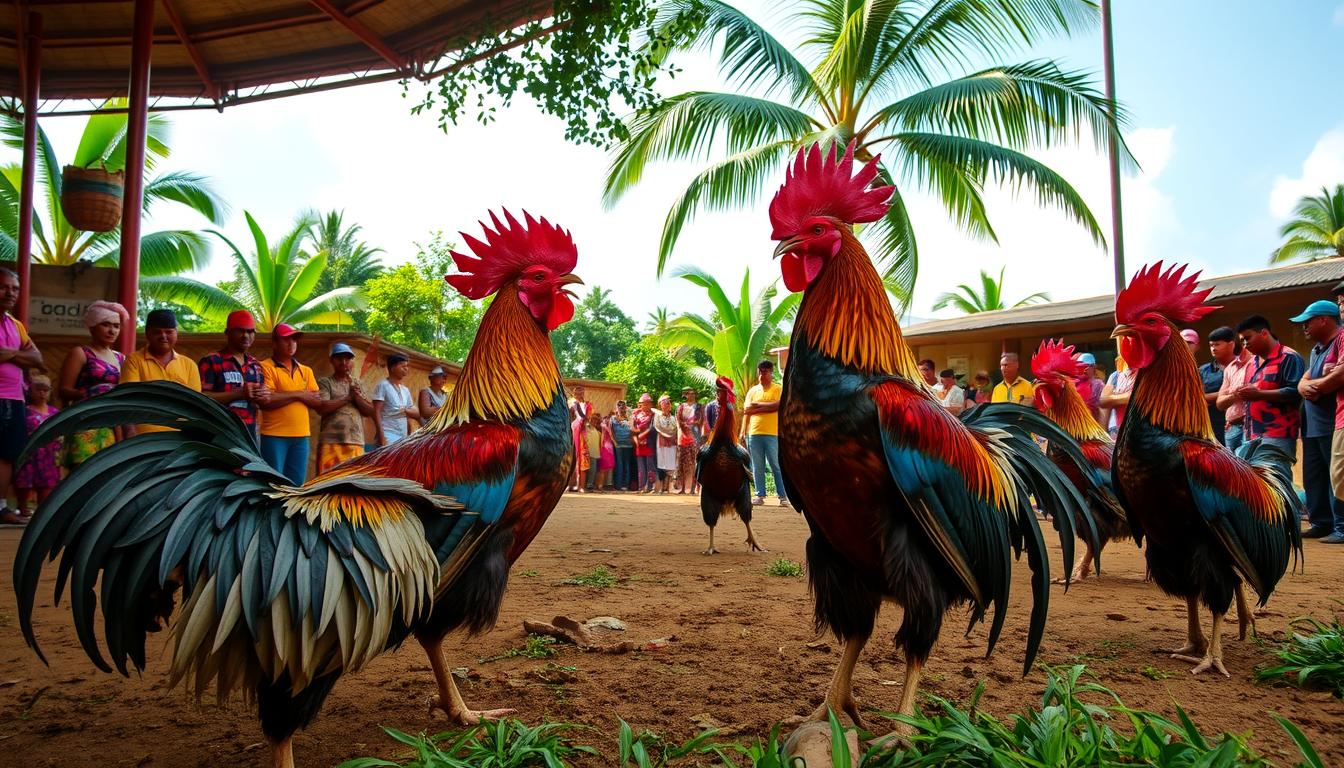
(1232, 119)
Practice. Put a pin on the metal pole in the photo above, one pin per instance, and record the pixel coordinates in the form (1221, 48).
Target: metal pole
(32, 78)
(1113, 146)
(137, 120)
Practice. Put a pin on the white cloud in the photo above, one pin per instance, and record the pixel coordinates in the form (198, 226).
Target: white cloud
(1324, 167)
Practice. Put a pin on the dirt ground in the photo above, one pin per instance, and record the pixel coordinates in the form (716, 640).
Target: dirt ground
(739, 657)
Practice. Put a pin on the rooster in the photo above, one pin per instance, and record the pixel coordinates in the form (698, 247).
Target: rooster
(904, 501)
(1059, 395)
(286, 588)
(723, 470)
(1212, 519)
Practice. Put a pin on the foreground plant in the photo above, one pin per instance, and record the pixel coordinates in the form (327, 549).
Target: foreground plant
(1314, 660)
(498, 744)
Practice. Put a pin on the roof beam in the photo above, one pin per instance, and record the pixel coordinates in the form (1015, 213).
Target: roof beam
(365, 35)
(197, 61)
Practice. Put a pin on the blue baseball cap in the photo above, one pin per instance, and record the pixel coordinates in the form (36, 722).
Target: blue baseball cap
(341, 348)
(1087, 357)
(1322, 308)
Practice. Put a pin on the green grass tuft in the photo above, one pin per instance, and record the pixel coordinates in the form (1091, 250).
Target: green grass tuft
(501, 744)
(600, 577)
(536, 647)
(1313, 660)
(782, 566)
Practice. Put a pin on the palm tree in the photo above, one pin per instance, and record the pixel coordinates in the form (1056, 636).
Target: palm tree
(103, 143)
(1316, 230)
(658, 321)
(735, 336)
(876, 77)
(276, 283)
(988, 299)
(350, 261)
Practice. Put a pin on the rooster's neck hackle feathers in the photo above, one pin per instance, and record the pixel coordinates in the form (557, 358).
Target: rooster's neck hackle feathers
(510, 372)
(826, 185)
(847, 317)
(1170, 394)
(1072, 415)
(1170, 294)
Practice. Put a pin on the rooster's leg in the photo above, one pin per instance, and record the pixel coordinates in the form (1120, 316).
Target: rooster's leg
(1245, 616)
(913, 671)
(1080, 571)
(1196, 644)
(282, 753)
(711, 550)
(448, 699)
(752, 543)
(840, 697)
(1214, 658)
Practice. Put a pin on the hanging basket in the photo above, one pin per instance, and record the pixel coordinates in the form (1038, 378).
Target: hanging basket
(91, 198)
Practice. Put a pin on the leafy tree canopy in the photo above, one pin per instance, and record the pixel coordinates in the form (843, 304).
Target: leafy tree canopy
(413, 306)
(648, 367)
(599, 334)
(582, 64)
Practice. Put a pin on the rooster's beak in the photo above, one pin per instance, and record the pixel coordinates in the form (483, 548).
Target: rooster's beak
(570, 279)
(786, 246)
(1122, 330)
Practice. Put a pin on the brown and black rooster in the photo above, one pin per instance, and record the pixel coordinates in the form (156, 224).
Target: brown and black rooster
(1058, 379)
(723, 469)
(905, 502)
(1211, 518)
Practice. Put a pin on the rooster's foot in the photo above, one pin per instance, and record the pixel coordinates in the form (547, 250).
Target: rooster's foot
(1191, 651)
(755, 546)
(711, 551)
(1209, 662)
(848, 706)
(466, 716)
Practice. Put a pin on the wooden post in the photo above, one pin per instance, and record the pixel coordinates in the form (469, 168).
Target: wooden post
(32, 78)
(1113, 150)
(137, 121)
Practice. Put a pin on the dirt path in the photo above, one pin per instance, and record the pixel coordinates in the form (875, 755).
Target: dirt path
(739, 658)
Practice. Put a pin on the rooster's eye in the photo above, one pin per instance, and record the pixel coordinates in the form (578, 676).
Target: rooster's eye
(816, 229)
(536, 278)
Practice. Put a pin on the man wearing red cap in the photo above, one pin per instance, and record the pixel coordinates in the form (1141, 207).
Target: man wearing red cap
(284, 416)
(231, 376)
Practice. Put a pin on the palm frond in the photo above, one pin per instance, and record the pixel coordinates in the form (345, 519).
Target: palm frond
(691, 125)
(933, 156)
(205, 300)
(190, 189)
(892, 244)
(734, 181)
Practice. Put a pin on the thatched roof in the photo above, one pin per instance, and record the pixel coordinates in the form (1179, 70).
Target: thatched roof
(221, 52)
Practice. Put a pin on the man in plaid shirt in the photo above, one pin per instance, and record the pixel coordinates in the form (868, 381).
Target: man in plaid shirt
(1273, 405)
(231, 376)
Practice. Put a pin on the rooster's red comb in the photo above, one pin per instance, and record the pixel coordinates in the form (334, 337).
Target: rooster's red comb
(508, 249)
(1170, 294)
(1053, 357)
(817, 185)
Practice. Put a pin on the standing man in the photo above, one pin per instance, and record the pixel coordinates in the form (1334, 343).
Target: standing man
(1224, 341)
(1224, 347)
(623, 435)
(1273, 405)
(232, 377)
(17, 354)
(393, 408)
(951, 396)
(760, 424)
(1012, 389)
(1093, 384)
(159, 361)
(342, 408)
(284, 417)
(1320, 321)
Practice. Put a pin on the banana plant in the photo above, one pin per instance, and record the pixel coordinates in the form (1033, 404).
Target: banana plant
(736, 336)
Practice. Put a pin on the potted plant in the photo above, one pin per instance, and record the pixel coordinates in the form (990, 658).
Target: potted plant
(92, 186)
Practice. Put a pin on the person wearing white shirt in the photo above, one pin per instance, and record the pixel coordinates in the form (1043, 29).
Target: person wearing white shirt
(949, 393)
(393, 408)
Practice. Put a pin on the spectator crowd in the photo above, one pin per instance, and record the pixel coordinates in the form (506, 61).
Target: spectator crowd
(273, 397)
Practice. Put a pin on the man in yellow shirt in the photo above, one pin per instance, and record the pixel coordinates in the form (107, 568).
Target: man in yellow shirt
(760, 424)
(159, 361)
(284, 417)
(1012, 389)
